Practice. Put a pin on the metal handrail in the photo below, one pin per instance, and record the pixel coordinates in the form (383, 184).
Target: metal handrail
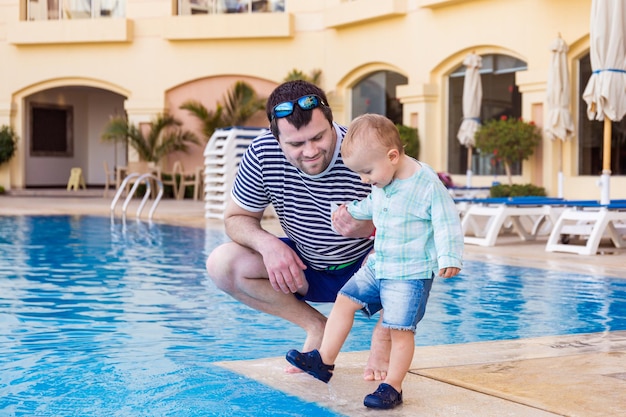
(146, 178)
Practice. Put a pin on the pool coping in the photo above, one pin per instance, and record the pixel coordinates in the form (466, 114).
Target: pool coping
(573, 375)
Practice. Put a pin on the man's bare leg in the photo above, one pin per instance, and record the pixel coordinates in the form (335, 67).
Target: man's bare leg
(378, 361)
(240, 272)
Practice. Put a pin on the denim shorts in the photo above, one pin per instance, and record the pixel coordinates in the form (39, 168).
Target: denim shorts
(325, 284)
(403, 301)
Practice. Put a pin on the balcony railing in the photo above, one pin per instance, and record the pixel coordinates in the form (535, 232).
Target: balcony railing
(75, 9)
(94, 9)
(190, 7)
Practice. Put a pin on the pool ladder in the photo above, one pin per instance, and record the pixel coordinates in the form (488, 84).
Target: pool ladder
(140, 178)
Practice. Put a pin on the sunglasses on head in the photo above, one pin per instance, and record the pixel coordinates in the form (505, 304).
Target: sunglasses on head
(284, 109)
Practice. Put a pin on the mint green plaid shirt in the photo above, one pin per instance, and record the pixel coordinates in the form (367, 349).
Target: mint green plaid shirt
(418, 228)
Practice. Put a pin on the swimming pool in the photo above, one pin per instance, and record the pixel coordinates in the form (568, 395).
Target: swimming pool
(101, 318)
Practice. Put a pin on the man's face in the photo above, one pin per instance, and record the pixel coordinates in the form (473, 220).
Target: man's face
(310, 148)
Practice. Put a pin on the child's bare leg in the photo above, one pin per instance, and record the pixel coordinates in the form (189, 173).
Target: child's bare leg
(402, 349)
(338, 327)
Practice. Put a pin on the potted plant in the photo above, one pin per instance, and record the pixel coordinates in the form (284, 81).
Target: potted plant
(510, 140)
(164, 136)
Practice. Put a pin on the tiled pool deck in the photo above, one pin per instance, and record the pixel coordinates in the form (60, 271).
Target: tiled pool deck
(575, 375)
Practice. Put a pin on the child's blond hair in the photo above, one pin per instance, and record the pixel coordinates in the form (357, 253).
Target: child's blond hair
(370, 131)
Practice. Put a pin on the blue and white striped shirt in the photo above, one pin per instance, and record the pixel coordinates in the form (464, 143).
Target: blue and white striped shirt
(302, 202)
(418, 229)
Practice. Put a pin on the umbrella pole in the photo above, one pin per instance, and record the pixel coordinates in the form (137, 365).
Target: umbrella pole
(606, 147)
(605, 193)
(468, 173)
(560, 174)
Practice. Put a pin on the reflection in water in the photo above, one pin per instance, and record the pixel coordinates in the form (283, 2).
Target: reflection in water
(101, 317)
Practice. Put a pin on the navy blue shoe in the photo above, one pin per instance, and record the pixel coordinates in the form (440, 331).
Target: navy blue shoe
(311, 363)
(384, 397)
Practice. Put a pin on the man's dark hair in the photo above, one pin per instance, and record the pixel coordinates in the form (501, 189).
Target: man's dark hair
(292, 90)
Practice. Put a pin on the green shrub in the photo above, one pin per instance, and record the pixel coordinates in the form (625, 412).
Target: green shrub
(8, 144)
(411, 140)
(516, 190)
(1, 189)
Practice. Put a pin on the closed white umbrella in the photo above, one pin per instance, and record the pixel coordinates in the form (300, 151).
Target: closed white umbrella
(472, 98)
(605, 93)
(559, 125)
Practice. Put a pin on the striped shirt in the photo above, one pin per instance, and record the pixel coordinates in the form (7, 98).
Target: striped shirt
(418, 229)
(302, 202)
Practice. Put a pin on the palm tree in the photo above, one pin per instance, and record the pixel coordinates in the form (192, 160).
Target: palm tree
(241, 102)
(314, 78)
(210, 120)
(164, 137)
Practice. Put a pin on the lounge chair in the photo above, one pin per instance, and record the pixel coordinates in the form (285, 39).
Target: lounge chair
(484, 219)
(590, 221)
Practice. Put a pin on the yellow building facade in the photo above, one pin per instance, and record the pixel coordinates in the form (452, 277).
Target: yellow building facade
(76, 64)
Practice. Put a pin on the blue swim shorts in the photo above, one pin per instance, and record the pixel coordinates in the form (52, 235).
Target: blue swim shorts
(325, 284)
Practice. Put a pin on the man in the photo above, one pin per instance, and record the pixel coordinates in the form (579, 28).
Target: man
(297, 168)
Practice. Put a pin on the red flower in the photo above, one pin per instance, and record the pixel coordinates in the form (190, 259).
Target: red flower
(503, 117)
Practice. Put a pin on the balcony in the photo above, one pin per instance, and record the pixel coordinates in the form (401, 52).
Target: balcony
(71, 22)
(229, 26)
(72, 31)
(360, 11)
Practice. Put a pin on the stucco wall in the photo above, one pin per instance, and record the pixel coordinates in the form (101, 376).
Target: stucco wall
(155, 61)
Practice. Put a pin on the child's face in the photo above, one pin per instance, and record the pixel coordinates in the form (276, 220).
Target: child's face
(375, 166)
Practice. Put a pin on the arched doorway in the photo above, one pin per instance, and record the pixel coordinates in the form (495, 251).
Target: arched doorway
(501, 97)
(376, 93)
(62, 126)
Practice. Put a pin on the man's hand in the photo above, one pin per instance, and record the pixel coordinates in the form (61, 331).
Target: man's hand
(348, 226)
(284, 267)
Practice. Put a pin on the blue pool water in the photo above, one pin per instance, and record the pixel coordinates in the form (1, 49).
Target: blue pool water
(101, 318)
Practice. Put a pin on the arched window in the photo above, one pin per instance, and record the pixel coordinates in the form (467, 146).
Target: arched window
(590, 134)
(376, 93)
(501, 97)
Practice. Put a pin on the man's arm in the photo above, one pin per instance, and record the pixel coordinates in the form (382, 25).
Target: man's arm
(244, 227)
(284, 267)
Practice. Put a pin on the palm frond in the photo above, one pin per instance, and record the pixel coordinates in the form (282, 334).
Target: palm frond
(295, 74)
(210, 120)
(241, 103)
(164, 135)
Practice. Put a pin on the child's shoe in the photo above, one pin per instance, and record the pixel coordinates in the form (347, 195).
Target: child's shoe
(311, 363)
(384, 397)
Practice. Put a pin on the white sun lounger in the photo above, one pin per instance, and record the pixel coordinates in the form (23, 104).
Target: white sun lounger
(484, 219)
(591, 222)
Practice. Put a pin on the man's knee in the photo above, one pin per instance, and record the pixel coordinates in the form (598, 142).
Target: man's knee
(217, 266)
